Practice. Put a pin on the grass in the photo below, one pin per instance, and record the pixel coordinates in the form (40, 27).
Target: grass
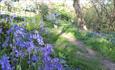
(68, 52)
(100, 44)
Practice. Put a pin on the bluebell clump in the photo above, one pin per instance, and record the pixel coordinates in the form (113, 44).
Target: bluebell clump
(21, 45)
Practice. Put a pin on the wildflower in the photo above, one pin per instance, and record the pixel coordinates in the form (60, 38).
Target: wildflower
(20, 44)
(6, 19)
(34, 58)
(5, 65)
(38, 38)
(55, 60)
(56, 64)
(47, 66)
(47, 50)
(49, 63)
(59, 66)
(16, 52)
(29, 62)
(12, 29)
(14, 16)
(0, 30)
(46, 59)
(30, 46)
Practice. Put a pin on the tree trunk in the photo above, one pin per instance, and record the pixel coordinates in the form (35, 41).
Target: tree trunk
(80, 19)
(114, 4)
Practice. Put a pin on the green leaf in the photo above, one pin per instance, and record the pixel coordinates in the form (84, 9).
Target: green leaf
(18, 67)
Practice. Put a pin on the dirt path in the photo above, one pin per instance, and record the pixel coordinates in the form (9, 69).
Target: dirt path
(89, 53)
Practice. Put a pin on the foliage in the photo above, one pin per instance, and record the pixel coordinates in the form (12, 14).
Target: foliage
(99, 42)
(73, 61)
(26, 50)
(43, 9)
(24, 43)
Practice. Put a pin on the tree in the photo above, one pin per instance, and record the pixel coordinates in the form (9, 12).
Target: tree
(78, 11)
(114, 4)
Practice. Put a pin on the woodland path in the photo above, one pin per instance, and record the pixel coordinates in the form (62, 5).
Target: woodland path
(89, 53)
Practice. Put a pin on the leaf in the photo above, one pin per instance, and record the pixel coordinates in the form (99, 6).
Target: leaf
(18, 67)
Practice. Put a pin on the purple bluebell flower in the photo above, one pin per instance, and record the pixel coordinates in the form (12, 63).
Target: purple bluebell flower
(47, 50)
(34, 58)
(29, 62)
(6, 19)
(14, 27)
(20, 32)
(55, 60)
(5, 65)
(56, 64)
(30, 46)
(20, 53)
(59, 66)
(50, 64)
(24, 43)
(5, 44)
(47, 66)
(16, 52)
(20, 44)
(0, 30)
(46, 59)
(38, 38)
(14, 15)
